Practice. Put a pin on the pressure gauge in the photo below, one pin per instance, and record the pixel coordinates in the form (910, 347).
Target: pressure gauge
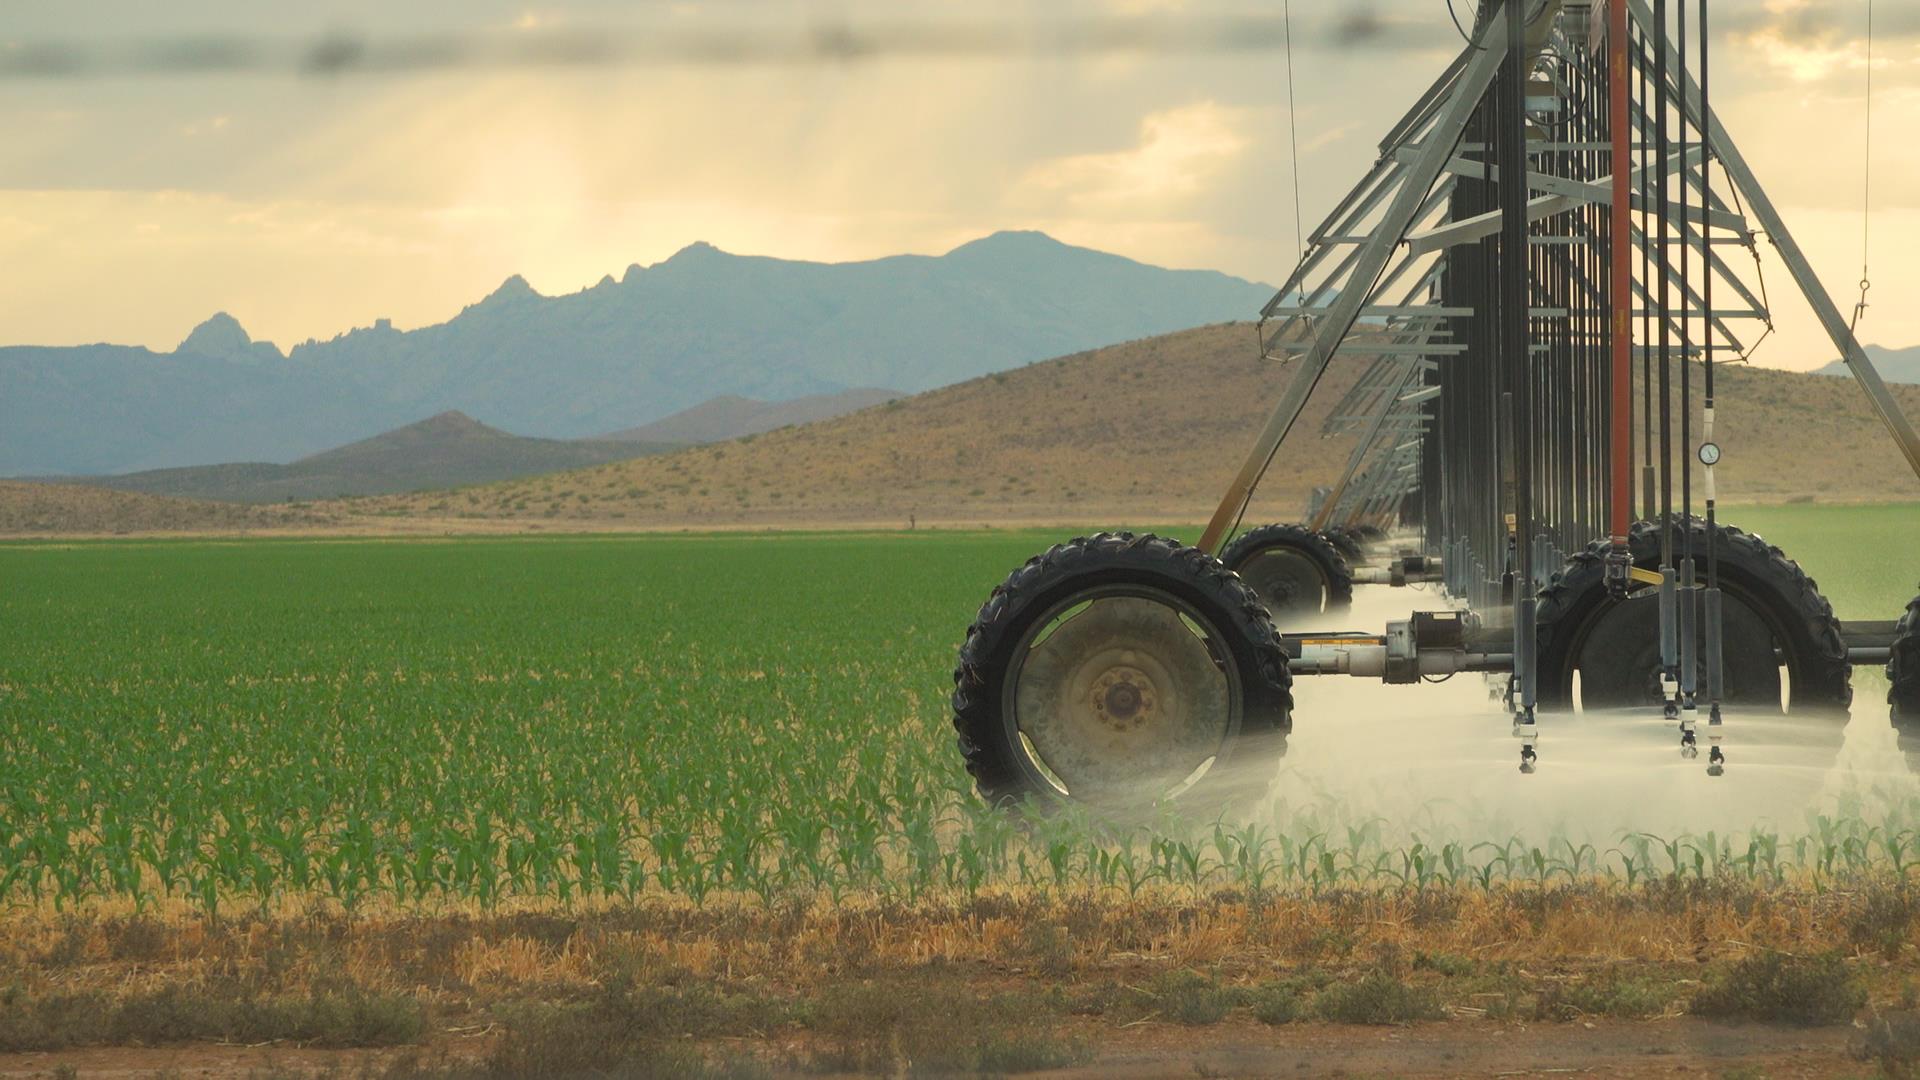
(1709, 453)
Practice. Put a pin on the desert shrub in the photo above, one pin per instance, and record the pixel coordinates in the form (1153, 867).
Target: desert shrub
(1377, 998)
(1278, 1002)
(1188, 997)
(1779, 988)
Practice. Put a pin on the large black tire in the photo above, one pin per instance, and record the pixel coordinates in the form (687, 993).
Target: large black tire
(1031, 595)
(1349, 542)
(1903, 671)
(1336, 575)
(1773, 586)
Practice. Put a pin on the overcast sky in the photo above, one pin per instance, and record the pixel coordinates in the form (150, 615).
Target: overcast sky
(134, 206)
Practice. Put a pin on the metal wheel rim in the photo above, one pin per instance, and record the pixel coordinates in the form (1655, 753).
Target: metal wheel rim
(1186, 696)
(1286, 579)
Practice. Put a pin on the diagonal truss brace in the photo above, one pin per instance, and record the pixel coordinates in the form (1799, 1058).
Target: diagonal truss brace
(1777, 233)
(1488, 49)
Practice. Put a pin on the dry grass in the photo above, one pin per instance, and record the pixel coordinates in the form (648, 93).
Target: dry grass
(1001, 983)
(28, 509)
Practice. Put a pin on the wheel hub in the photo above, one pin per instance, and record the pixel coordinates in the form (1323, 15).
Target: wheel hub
(1124, 697)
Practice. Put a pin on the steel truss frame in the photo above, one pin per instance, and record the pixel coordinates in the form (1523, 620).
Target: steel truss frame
(1371, 281)
(1491, 410)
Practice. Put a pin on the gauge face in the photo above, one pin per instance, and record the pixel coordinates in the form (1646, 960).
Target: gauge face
(1709, 453)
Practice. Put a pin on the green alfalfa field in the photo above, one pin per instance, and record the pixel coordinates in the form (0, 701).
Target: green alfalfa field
(719, 757)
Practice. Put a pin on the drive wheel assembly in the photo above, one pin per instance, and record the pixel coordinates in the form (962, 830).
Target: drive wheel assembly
(1294, 570)
(1773, 618)
(1903, 672)
(1119, 670)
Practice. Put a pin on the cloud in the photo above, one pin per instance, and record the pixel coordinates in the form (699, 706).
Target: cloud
(1814, 40)
(1809, 59)
(1179, 153)
(323, 204)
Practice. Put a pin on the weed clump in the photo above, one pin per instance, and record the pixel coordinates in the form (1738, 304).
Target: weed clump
(1049, 948)
(1278, 1002)
(1377, 998)
(628, 1028)
(885, 1027)
(175, 1014)
(1892, 1040)
(1188, 997)
(1775, 987)
(1637, 997)
(1883, 918)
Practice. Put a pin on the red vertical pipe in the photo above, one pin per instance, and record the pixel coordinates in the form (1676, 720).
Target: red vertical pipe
(1621, 251)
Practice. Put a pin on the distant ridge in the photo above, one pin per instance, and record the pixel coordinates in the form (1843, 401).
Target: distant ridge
(731, 416)
(1894, 365)
(625, 352)
(448, 450)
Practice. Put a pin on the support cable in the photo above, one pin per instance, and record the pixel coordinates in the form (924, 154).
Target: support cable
(1866, 183)
(1293, 132)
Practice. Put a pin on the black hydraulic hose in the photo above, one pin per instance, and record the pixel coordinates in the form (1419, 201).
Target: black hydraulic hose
(1665, 280)
(1515, 263)
(1669, 629)
(1715, 639)
(1645, 157)
(1688, 646)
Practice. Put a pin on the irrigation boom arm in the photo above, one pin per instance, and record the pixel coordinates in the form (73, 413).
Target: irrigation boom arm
(1770, 222)
(1488, 49)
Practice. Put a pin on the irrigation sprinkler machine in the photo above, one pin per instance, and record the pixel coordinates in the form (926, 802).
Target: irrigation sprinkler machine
(1536, 274)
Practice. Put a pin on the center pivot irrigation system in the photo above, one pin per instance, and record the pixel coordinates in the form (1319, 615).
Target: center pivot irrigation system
(1526, 342)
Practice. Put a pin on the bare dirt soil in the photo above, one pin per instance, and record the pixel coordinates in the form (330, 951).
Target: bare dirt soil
(1628, 1049)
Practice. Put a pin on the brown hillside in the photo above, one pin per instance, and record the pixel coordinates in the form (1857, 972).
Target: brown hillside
(1148, 429)
(1790, 434)
(443, 451)
(36, 509)
(1151, 430)
(731, 416)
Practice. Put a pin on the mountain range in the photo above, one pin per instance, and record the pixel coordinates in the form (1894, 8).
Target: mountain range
(1894, 365)
(612, 357)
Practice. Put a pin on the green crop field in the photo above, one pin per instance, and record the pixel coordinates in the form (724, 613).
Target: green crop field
(488, 720)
